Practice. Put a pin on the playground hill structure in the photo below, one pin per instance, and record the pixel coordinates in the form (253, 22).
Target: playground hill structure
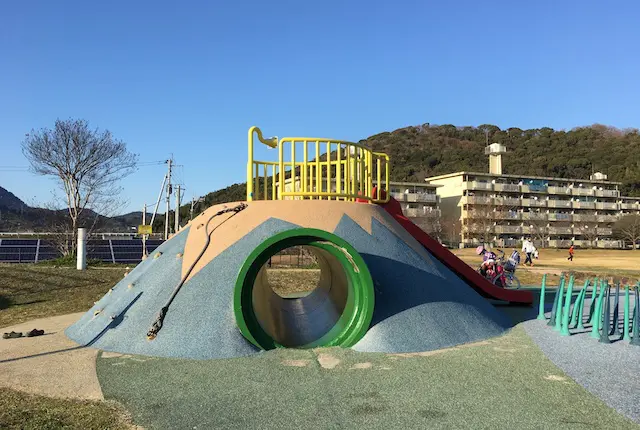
(385, 285)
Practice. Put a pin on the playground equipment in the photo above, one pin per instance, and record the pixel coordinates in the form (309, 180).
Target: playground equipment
(384, 284)
(604, 317)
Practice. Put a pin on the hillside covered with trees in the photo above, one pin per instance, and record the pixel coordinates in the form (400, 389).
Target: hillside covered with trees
(428, 150)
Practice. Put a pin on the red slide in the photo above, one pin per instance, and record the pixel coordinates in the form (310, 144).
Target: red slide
(457, 266)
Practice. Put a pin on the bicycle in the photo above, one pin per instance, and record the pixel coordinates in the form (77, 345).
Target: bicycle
(505, 273)
(508, 272)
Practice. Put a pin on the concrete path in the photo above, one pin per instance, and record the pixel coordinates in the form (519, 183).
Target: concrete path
(609, 371)
(49, 365)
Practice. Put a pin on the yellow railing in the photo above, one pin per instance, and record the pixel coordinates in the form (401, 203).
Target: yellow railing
(313, 168)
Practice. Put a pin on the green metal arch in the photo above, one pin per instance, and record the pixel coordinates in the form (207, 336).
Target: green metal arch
(356, 317)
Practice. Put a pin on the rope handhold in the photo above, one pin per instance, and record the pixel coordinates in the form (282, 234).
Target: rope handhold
(157, 324)
(155, 257)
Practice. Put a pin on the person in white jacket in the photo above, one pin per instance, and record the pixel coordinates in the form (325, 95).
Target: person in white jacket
(529, 250)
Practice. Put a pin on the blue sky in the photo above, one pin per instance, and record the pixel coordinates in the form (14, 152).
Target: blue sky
(190, 78)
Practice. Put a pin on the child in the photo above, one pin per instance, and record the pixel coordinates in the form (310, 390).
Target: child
(571, 251)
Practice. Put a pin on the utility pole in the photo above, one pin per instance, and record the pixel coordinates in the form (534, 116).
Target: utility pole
(155, 210)
(169, 192)
(177, 217)
(144, 236)
(194, 202)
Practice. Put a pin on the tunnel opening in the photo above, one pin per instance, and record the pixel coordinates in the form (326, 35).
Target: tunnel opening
(294, 272)
(287, 308)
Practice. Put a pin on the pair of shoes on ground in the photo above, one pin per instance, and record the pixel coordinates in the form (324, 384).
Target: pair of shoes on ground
(14, 334)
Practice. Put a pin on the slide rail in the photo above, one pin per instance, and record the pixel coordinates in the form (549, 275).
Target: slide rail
(316, 168)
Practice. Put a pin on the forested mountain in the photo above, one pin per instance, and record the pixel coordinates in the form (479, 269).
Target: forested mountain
(428, 150)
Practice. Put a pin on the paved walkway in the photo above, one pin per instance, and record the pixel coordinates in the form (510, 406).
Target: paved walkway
(49, 365)
(609, 371)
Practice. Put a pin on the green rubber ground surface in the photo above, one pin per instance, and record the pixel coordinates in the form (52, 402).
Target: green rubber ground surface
(505, 382)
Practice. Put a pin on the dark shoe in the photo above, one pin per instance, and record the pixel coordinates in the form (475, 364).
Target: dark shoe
(35, 332)
(12, 335)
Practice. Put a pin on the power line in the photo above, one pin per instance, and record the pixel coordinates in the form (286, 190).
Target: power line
(26, 168)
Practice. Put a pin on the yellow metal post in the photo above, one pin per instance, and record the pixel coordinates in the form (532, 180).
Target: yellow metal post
(305, 174)
(318, 170)
(339, 170)
(281, 168)
(379, 177)
(293, 167)
(328, 172)
(273, 182)
(266, 176)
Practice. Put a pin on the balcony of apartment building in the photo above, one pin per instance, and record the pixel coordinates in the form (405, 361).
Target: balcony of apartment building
(418, 197)
(559, 189)
(418, 212)
(608, 244)
(582, 191)
(506, 201)
(629, 205)
(559, 203)
(584, 204)
(533, 187)
(533, 202)
(559, 243)
(605, 218)
(535, 216)
(507, 229)
(478, 185)
(585, 217)
(606, 193)
(527, 229)
(507, 187)
(560, 230)
(508, 215)
(477, 200)
(607, 206)
(559, 216)
(592, 230)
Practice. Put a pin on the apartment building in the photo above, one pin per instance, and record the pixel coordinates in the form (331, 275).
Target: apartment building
(417, 199)
(555, 212)
(629, 205)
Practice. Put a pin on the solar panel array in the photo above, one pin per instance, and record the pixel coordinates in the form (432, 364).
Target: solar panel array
(111, 251)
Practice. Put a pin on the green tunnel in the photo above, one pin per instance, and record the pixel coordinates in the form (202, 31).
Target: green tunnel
(336, 313)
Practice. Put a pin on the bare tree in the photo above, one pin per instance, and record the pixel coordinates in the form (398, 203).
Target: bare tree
(451, 229)
(590, 233)
(88, 165)
(539, 228)
(481, 223)
(628, 229)
(430, 223)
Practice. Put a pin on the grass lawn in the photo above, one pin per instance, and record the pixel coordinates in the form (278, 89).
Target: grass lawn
(291, 281)
(29, 291)
(25, 411)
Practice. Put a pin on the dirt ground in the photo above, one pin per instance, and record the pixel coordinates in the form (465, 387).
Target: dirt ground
(587, 263)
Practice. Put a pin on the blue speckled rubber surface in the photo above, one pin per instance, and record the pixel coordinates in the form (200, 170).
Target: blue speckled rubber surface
(420, 304)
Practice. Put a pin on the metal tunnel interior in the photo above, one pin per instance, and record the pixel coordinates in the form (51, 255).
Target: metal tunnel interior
(299, 321)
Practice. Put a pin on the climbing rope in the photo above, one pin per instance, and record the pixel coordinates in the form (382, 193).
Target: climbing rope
(157, 324)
